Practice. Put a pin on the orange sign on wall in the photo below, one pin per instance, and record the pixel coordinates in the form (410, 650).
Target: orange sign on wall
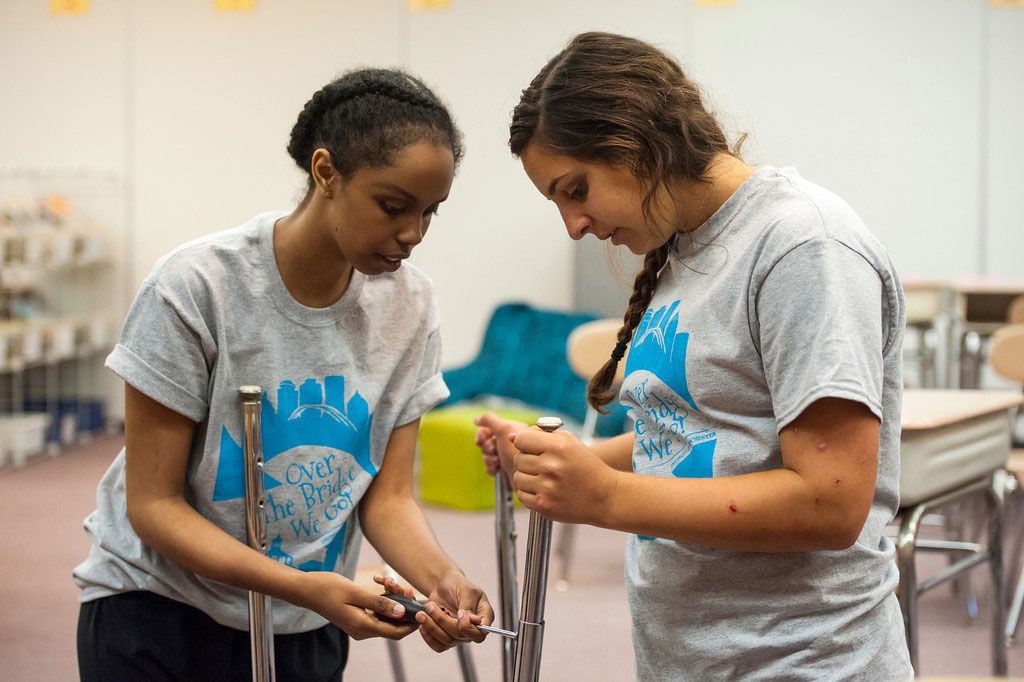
(429, 4)
(234, 5)
(69, 6)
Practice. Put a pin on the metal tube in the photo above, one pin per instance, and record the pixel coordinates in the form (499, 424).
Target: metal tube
(530, 634)
(505, 533)
(994, 499)
(261, 625)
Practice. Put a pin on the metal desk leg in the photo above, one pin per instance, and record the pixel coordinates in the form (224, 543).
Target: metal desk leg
(994, 499)
(906, 592)
(909, 588)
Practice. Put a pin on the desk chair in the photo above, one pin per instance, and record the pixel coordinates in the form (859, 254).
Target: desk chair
(1015, 313)
(588, 348)
(1006, 356)
(924, 305)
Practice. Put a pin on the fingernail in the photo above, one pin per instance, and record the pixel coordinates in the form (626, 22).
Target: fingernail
(461, 612)
(397, 610)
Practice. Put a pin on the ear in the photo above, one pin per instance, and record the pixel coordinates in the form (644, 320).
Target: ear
(323, 172)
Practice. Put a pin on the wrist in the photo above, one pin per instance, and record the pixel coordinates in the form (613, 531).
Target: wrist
(307, 588)
(611, 513)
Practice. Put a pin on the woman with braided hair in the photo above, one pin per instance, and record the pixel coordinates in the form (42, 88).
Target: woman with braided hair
(315, 306)
(763, 381)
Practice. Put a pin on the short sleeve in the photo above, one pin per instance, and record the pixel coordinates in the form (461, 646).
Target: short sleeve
(166, 353)
(430, 387)
(820, 313)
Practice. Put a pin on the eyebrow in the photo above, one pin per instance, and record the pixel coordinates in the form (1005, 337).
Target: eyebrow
(554, 184)
(408, 195)
(396, 188)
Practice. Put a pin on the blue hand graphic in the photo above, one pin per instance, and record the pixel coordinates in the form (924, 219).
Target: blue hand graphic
(658, 348)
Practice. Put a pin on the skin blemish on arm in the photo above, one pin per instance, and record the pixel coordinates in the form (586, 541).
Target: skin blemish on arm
(732, 508)
(821, 446)
(837, 481)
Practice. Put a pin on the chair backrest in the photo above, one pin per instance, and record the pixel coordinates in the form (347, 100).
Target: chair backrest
(1015, 313)
(590, 345)
(1006, 352)
(523, 357)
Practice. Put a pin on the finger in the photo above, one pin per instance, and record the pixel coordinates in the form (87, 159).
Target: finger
(490, 446)
(528, 464)
(467, 623)
(433, 643)
(534, 441)
(483, 434)
(371, 625)
(492, 464)
(432, 630)
(445, 619)
(528, 499)
(391, 586)
(379, 604)
(490, 421)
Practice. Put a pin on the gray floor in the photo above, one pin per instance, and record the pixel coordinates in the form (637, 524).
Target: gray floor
(587, 638)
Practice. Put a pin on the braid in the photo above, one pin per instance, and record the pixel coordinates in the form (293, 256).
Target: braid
(599, 392)
(366, 116)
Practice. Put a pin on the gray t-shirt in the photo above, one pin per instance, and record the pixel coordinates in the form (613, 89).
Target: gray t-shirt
(215, 315)
(782, 298)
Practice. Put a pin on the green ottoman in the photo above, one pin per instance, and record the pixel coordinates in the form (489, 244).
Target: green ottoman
(452, 470)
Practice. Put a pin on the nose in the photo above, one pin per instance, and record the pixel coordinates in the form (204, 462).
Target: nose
(577, 223)
(414, 230)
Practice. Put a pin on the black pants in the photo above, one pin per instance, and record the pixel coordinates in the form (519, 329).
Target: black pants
(143, 636)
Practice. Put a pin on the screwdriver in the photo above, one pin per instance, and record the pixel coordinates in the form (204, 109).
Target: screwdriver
(412, 607)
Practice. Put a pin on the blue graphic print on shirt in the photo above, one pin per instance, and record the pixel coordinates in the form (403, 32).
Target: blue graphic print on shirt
(658, 356)
(315, 490)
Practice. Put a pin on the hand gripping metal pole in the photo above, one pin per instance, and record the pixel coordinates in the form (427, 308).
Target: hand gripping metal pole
(261, 625)
(530, 635)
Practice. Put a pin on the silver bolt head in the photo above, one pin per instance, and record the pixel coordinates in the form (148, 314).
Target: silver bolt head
(549, 424)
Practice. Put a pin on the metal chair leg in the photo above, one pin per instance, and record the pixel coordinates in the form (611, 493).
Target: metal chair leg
(564, 551)
(466, 663)
(395, 657)
(261, 624)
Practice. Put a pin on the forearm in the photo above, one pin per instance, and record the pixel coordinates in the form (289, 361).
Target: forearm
(397, 528)
(174, 529)
(771, 511)
(616, 452)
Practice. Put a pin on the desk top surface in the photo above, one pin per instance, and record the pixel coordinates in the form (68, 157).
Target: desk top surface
(988, 284)
(932, 408)
(965, 284)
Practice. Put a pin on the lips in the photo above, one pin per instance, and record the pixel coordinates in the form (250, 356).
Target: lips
(391, 263)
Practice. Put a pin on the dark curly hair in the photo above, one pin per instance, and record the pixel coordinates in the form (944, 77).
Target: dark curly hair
(365, 117)
(620, 101)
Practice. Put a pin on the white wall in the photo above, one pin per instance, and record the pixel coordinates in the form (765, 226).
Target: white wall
(908, 110)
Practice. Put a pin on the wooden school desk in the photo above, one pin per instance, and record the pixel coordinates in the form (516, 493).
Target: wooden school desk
(954, 444)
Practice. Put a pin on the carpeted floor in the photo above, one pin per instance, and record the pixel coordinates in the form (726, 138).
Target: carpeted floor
(587, 633)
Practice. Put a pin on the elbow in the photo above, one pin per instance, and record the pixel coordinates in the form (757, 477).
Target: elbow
(840, 531)
(137, 518)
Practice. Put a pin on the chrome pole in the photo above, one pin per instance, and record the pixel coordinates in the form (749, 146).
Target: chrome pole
(505, 533)
(530, 635)
(261, 625)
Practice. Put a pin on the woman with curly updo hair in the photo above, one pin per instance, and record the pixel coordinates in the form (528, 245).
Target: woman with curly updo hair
(316, 306)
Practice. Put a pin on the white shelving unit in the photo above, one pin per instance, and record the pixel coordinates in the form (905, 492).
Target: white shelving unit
(60, 307)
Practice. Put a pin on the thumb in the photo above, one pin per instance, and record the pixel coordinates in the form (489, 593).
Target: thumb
(379, 604)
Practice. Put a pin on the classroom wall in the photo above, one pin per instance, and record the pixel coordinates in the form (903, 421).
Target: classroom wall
(908, 110)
